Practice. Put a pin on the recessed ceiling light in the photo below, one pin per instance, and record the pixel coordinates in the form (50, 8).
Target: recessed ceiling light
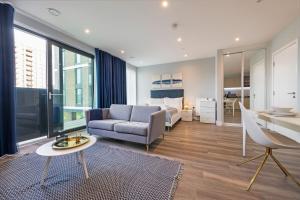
(237, 39)
(122, 51)
(185, 55)
(179, 39)
(54, 12)
(164, 4)
(87, 31)
(227, 55)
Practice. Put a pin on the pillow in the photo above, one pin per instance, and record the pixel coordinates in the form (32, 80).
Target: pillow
(156, 101)
(174, 102)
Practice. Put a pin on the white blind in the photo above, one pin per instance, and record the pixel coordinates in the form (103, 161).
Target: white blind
(131, 85)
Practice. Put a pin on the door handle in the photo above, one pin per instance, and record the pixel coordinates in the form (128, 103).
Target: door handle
(293, 93)
(51, 94)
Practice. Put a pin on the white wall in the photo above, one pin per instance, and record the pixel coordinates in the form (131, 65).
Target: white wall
(198, 79)
(284, 37)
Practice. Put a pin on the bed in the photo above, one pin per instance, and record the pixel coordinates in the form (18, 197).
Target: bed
(171, 101)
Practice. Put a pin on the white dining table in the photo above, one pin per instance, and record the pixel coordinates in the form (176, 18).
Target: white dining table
(289, 122)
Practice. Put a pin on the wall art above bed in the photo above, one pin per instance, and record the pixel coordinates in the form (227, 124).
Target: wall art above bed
(167, 81)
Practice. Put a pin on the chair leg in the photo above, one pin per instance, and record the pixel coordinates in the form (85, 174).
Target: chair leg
(284, 170)
(253, 158)
(163, 136)
(147, 147)
(259, 168)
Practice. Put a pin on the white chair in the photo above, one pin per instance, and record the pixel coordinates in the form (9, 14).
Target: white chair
(230, 105)
(258, 136)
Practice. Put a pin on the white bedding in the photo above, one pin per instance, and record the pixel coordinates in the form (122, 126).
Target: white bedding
(173, 107)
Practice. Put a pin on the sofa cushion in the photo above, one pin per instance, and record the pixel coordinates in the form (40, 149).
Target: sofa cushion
(136, 128)
(106, 124)
(143, 113)
(120, 112)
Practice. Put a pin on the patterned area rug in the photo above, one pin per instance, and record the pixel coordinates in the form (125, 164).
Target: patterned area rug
(114, 173)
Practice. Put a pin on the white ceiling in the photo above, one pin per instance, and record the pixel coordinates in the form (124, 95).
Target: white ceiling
(143, 28)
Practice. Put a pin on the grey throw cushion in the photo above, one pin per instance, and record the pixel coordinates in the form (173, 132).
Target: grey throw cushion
(143, 113)
(106, 124)
(136, 128)
(121, 112)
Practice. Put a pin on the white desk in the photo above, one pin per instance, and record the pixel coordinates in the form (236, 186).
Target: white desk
(292, 123)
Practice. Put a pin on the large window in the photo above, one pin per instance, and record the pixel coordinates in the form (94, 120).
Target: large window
(53, 88)
(31, 81)
(78, 87)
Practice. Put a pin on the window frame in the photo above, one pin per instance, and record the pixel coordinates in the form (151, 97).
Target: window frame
(63, 45)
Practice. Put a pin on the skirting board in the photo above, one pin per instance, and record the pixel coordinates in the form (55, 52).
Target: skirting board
(219, 123)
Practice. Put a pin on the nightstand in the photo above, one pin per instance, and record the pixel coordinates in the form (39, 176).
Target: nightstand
(187, 115)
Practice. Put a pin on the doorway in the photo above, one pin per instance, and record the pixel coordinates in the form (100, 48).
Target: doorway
(70, 88)
(54, 86)
(244, 81)
(285, 73)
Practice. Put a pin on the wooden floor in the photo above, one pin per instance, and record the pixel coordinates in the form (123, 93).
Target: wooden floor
(229, 118)
(209, 154)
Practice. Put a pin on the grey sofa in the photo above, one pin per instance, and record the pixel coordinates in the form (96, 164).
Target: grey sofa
(140, 124)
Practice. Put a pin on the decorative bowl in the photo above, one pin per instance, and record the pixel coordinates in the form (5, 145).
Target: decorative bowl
(70, 142)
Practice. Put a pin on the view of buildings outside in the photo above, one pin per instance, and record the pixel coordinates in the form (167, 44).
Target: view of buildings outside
(31, 73)
(77, 86)
(31, 85)
(30, 55)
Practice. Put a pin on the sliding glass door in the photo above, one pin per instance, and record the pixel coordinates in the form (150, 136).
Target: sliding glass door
(54, 86)
(244, 81)
(70, 88)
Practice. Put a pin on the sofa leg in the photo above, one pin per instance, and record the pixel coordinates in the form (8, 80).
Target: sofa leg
(147, 147)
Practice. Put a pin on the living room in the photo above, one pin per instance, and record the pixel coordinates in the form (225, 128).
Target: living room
(162, 99)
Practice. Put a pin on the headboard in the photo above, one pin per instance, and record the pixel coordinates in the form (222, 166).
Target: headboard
(171, 93)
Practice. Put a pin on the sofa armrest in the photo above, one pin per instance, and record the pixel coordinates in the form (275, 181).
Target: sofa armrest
(96, 114)
(156, 126)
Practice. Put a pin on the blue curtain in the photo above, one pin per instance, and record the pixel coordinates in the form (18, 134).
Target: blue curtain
(7, 81)
(111, 79)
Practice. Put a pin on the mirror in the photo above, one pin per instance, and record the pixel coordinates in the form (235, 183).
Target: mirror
(244, 81)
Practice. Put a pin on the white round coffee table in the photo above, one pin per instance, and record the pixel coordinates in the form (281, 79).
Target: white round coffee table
(47, 151)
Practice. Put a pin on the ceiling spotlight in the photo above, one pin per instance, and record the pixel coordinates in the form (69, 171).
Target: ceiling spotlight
(164, 4)
(179, 39)
(54, 12)
(122, 51)
(237, 39)
(87, 31)
(185, 55)
(227, 55)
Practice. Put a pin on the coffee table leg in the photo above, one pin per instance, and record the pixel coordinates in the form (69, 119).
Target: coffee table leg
(45, 172)
(84, 165)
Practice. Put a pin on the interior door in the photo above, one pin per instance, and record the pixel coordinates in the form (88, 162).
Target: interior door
(257, 83)
(55, 91)
(285, 76)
